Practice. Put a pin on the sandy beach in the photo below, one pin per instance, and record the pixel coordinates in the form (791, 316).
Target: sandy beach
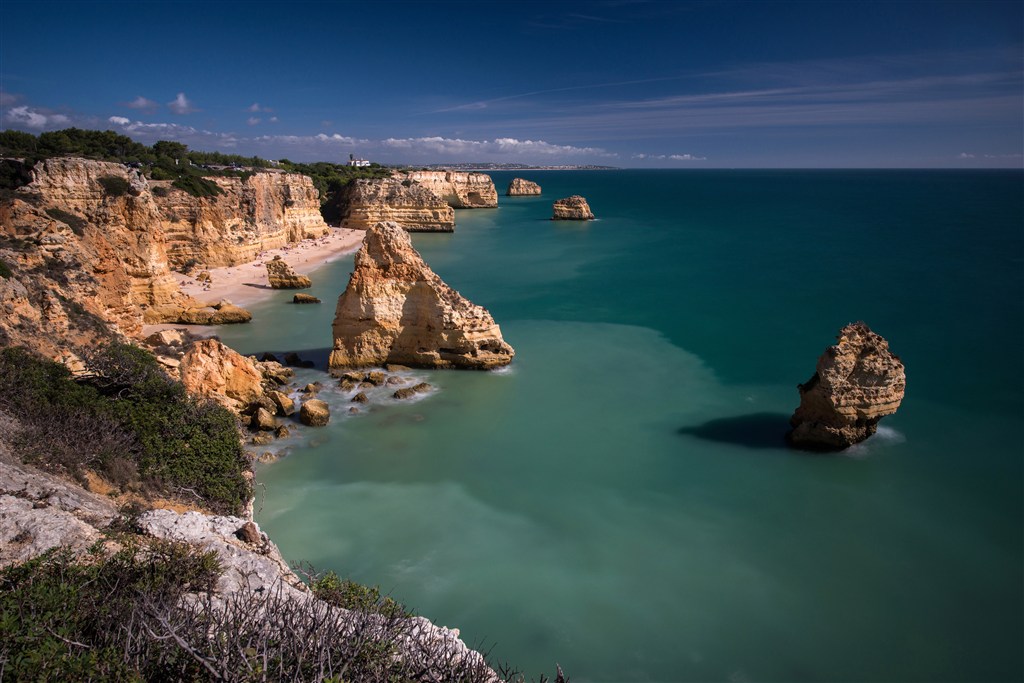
(245, 284)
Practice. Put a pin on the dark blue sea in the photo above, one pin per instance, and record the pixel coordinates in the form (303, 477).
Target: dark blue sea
(621, 500)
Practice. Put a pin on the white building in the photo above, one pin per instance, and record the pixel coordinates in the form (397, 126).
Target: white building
(352, 161)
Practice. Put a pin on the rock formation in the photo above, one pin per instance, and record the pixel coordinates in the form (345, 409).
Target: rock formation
(574, 208)
(396, 310)
(305, 299)
(522, 188)
(215, 371)
(367, 202)
(857, 383)
(461, 190)
(314, 413)
(281, 275)
(264, 211)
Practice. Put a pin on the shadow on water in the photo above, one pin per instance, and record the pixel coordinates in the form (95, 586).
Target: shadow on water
(757, 430)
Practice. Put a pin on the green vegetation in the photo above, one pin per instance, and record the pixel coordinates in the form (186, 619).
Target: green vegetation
(76, 223)
(197, 186)
(5, 270)
(355, 596)
(329, 179)
(114, 186)
(127, 421)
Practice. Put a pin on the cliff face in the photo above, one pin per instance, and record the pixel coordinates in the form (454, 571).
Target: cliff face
(77, 248)
(522, 188)
(459, 189)
(858, 382)
(412, 206)
(264, 211)
(396, 310)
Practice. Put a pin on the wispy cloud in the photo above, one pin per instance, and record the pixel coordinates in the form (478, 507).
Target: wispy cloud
(182, 105)
(256, 107)
(9, 99)
(668, 157)
(499, 147)
(253, 120)
(143, 104)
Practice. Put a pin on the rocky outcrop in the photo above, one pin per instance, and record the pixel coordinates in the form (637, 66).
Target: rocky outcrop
(461, 190)
(522, 188)
(574, 208)
(367, 202)
(281, 275)
(305, 299)
(858, 382)
(314, 413)
(264, 211)
(395, 309)
(215, 371)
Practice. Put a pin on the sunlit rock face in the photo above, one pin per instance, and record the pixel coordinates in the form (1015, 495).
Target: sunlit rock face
(522, 188)
(574, 208)
(395, 309)
(858, 382)
(459, 189)
(414, 207)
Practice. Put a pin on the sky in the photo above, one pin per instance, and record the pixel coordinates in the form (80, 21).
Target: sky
(625, 83)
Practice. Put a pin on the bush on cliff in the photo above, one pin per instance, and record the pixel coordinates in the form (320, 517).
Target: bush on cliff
(197, 186)
(127, 421)
(114, 186)
(5, 270)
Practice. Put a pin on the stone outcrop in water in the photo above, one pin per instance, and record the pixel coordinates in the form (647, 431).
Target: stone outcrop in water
(281, 276)
(460, 189)
(858, 382)
(522, 188)
(397, 310)
(574, 208)
(367, 202)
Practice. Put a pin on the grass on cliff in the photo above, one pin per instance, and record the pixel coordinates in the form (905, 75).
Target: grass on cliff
(128, 422)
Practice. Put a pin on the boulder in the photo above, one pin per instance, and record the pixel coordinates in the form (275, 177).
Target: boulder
(409, 392)
(249, 533)
(858, 381)
(305, 299)
(315, 413)
(574, 208)
(212, 370)
(285, 405)
(395, 309)
(522, 188)
(263, 420)
(281, 275)
(220, 313)
(360, 398)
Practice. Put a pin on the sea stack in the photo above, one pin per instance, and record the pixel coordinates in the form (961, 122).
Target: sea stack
(395, 309)
(574, 208)
(522, 188)
(858, 382)
(281, 276)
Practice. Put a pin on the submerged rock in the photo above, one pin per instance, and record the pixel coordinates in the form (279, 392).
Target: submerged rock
(409, 392)
(574, 208)
(305, 299)
(858, 382)
(395, 309)
(522, 188)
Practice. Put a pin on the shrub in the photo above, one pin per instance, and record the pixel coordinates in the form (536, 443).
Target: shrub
(197, 186)
(5, 270)
(355, 596)
(76, 223)
(127, 421)
(114, 186)
(161, 191)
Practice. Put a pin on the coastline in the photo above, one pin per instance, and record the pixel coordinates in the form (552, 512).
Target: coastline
(246, 284)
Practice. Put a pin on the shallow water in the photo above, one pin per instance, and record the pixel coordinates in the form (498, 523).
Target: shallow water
(620, 500)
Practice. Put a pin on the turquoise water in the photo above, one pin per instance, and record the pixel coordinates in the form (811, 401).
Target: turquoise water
(621, 501)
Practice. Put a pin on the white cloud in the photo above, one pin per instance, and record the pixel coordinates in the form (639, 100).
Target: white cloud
(142, 103)
(119, 120)
(9, 99)
(965, 155)
(182, 105)
(256, 107)
(670, 157)
(498, 147)
(273, 119)
(253, 120)
(35, 118)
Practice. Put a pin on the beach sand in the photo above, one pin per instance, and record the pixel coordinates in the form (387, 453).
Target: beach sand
(247, 283)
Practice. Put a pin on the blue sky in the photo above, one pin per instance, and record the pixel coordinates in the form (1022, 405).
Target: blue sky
(629, 83)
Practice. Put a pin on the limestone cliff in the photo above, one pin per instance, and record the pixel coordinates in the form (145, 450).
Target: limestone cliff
(574, 208)
(858, 382)
(414, 207)
(264, 211)
(460, 189)
(397, 310)
(522, 188)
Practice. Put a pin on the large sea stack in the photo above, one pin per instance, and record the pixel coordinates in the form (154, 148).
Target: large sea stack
(858, 382)
(397, 310)
(574, 208)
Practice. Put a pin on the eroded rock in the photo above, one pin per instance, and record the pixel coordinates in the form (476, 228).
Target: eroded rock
(315, 413)
(858, 382)
(395, 309)
(522, 188)
(281, 276)
(574, 208)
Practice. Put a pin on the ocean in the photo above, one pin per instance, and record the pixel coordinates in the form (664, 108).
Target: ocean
(620, 500)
